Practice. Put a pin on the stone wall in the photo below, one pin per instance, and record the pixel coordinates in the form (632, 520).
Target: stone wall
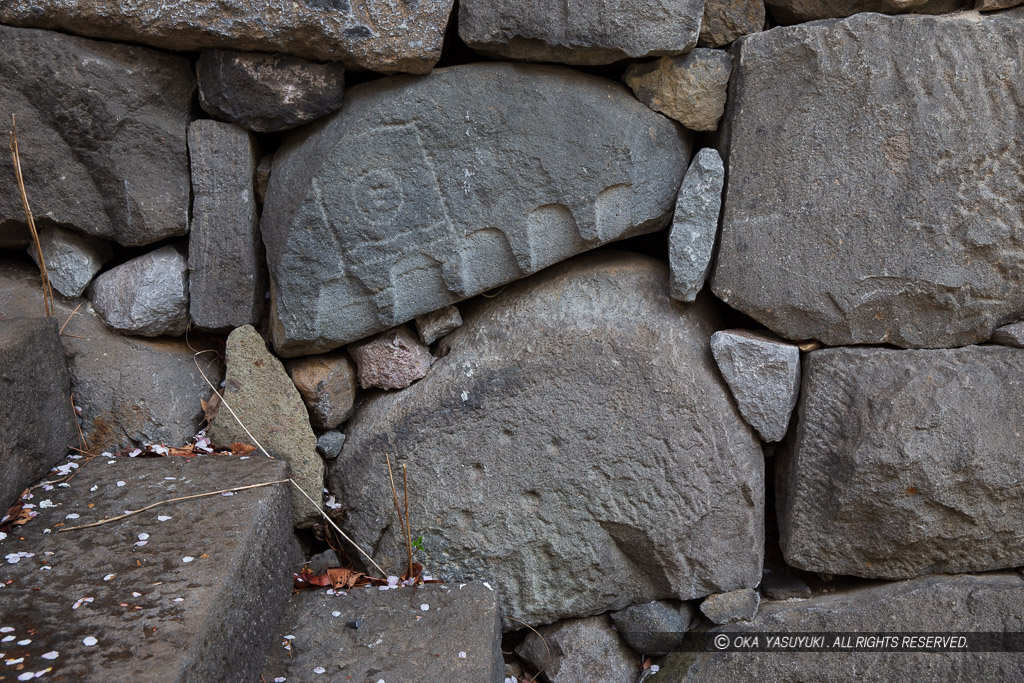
(674, 310)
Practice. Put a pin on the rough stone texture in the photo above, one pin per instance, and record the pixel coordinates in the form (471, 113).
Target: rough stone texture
(579, 650)
(990, 5)
(388, 210)
(432, 326)
(71, 258)
(380, 35)
(329, 444)
(726, 20)
(227, 272)
(155, 616)
(327, 384)
(777, 586)
(396, 639)
(952, 604)
(796, 11)
(131, 390)
(580, 32)
(695, 225)
(883, 202)
(267, 92)
(653, 628)
(38, 426)
(1010, 335)
(267, 403)
(586, 400)
(262, 179)
(731, 607)
(147, 296)
(763, 374)
(391, 360)
(101, 133)
(691, 89)
(905, 463)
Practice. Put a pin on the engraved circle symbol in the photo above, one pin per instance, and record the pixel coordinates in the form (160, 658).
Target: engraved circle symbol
(379, 196)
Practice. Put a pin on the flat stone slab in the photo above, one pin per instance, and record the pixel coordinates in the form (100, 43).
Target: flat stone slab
(905, 463)
(387, 209)
(580, 32)
(380, 35)
(948, 604)
(895, 220)
(198, 600)
(102, 145)
(434, 632)
(38, 427)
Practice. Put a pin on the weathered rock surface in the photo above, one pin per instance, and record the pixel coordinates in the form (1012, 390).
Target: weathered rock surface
(72, 259)
(895, 220)
(327, 384)
(580, 33)
(695, 225)
(197, 601)
(38, 426)
(952, 604)
(579, 650)
(778, 586)
(147, 296)
(1010, 335)
(267, 92)
(990, 5)
(379, 35)
(227, 273)
(731, 607)
(653, 628)
(905, 463)
(262, 177)
(726, 20)
(795, 11)
(101, 132)
(436, 324)
(131, 390)
(691, 89)
(391, 360)
(387, 210)
(633, 461)
(388, 635)
(258, 389)
(329, 444)
(763, 374)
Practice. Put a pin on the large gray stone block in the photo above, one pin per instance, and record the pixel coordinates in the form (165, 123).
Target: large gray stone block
(190, 591)
(572, 444)
(131, 390)
(989, 603)
(381, 35)
(578, 32)
(905, 463)
(269, 406)
(389, 636)
(38, 427)
(72, 259)
(147, 296)
(101, 133)
(882, 203)
(422, 192)
(267, 92)
(795, 11)
(227, 276)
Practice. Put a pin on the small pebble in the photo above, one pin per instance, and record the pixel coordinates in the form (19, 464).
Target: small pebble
(462, 655)
(163, 518)
(120, 484)
(319, 670)
(143, 537)
(73, 515)
(187, 559)
(424, 607)
(335, 613)
(89, 641)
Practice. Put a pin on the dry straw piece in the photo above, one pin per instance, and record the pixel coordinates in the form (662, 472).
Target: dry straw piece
(16, 156)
